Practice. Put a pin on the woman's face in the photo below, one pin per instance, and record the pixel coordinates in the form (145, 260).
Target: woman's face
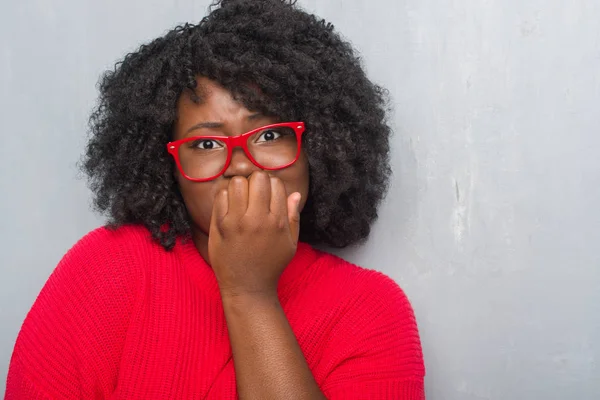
(226, 117)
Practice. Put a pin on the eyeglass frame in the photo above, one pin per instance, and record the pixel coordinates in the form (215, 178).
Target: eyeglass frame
(232, 142)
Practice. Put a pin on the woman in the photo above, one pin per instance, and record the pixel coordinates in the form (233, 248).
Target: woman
(220, 152)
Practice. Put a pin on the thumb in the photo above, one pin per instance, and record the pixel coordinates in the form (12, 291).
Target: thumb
(293, 206)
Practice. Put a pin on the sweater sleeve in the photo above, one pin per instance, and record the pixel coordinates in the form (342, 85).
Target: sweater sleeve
(382, 351)
(69, 343)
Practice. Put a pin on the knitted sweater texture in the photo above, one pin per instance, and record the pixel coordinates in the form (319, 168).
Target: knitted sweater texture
(122, 318)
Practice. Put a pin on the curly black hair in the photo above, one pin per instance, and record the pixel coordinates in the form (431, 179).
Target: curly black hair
(305, 71)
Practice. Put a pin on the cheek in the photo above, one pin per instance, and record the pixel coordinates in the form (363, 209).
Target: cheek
(198, 198)
(296, 179)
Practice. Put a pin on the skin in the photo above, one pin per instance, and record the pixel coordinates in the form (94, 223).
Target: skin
(247, 208)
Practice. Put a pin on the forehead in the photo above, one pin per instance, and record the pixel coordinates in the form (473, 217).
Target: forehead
(211, 106)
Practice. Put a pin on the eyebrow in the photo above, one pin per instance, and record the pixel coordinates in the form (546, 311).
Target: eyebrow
(219, 125)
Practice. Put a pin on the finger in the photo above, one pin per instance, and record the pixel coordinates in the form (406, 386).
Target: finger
(293, 206)
(259, 193)
(219, 211)
(238, 196)
(278, 197)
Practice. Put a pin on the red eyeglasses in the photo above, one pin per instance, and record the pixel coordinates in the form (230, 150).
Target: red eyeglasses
(271, 147)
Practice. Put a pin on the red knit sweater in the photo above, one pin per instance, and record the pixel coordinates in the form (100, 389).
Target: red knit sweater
(121, 318)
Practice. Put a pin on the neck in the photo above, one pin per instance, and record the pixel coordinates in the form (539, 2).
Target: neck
(200, 240)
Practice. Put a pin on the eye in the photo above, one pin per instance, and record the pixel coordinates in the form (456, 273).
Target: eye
(206, 144)
(269, 135)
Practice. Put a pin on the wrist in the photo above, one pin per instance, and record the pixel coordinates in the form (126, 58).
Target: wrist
(248, 298)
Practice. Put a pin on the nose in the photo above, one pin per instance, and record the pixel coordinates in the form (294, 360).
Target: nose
(240, 164)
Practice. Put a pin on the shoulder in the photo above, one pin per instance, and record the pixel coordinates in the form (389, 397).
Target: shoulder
(366, 303)
(103, 263)
(111, 249)
(373, 321)
(85, 307)
(355, 281)
(122, 240)
(100, 277)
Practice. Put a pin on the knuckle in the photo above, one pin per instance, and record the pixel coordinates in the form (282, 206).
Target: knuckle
(237, 180)
(248, 225)
(222, 193)
(240, 225)
(255, 226)
(275, 180)
(259, 174)
(222, 226)
(280, 224)
(260, 177)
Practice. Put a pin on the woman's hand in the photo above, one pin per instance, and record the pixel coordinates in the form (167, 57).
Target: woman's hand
(253, 234)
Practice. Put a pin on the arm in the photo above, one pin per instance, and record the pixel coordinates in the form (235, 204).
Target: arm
(253, 236)
(381, 356)
(269, 363)
(251, 241)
